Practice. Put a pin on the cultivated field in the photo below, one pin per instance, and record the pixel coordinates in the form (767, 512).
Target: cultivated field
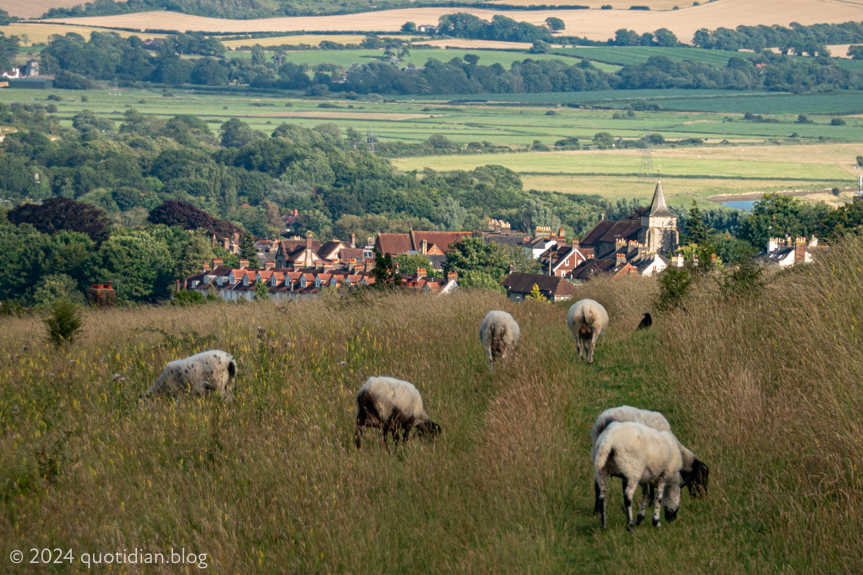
(593, 24)
(273, 483)
(35, 8)
(39, 33)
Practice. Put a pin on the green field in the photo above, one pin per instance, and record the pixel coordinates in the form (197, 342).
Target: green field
(625, 55)
(725, 101)
(272, 482)
(417, 58)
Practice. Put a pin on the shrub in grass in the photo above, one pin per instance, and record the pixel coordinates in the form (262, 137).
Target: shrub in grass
(674, 285)
(64, 323)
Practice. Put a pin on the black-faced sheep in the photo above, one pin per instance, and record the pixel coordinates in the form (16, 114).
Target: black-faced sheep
(201, 373)
(391, 405)
(639, 455)
(499, 333)
(694, 472)
(646, 322)
(587, 320)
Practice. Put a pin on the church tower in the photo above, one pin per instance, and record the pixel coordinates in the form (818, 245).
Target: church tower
(659, 226)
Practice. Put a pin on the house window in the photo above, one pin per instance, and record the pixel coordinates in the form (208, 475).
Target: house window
(368, 254)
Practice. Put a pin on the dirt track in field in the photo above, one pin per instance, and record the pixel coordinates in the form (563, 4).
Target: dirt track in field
(594, 24)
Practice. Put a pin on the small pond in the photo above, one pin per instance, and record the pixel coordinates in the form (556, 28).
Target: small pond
(745, 205)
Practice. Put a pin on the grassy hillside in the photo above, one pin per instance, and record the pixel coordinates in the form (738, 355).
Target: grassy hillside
(765, 391)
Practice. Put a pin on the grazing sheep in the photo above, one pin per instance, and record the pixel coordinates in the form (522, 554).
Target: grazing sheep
(694, 472)
(391, 404)
(646, 322)
(639, 454)
(212, 370)
(587, 320)
(646, 417)
(499, 333)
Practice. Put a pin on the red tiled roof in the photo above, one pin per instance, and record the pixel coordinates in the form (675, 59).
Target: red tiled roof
(442, 240)
(393, 243)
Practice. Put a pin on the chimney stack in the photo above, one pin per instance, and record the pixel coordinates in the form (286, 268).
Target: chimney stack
(244, 264)
(269, 265)
(421, 273)
(772, 245)
(425, 247)
(800, 251)
(621, 259)
(309, 239)
(679, 260)
(217, 262)
(206, 267)
(353, 240)
(452, 276)
(491, 225)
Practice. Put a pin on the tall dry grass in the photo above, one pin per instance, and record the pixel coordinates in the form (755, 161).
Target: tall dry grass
(781, 377)
(272, 482)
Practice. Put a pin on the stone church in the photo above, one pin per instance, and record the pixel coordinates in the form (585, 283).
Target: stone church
(635, 245)
(658, 231)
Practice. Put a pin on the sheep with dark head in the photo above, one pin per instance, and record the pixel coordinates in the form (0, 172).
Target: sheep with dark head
(391, 405)
(694, 472)
(212, 370)
(587, 320)
(499, 333)
(639, 455)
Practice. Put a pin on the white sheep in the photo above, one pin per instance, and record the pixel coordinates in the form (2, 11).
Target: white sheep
(639, 454)
(212, 370)
(694, 472)
(499, 333)
(391, 404)
(587, 320)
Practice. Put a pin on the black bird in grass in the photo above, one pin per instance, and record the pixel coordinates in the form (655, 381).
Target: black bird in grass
(646, 322)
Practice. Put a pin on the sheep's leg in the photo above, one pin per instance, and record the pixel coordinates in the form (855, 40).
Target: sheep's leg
(601, 483)
(628, 494)
(358, 435)
(644, 496)
(385, 429)
(406, 433)
(597, 506)
(592, 347)
(490, 359)
(657, 503)
(578, 344)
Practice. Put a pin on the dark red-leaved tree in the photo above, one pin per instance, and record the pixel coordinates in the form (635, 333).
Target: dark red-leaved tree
(188, 217)
(58, 214)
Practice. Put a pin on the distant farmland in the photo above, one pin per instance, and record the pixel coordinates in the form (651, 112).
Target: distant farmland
(593, 24)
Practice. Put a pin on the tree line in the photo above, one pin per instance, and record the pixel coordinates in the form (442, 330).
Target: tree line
(107, 56)
(798, 39)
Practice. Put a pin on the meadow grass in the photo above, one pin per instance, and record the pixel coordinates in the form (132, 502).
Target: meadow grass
(612, 162)
(678, 191)
(765, 391)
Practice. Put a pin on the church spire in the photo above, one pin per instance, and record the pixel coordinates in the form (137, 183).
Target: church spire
(657, 206)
